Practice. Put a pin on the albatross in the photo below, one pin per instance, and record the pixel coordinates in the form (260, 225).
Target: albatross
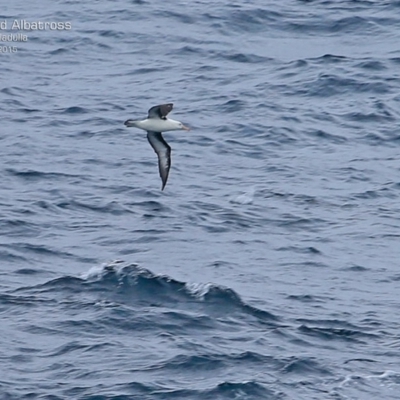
(156, 123)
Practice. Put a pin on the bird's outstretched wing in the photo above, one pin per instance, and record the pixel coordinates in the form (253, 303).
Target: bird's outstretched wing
(160, 111)
(163, 150)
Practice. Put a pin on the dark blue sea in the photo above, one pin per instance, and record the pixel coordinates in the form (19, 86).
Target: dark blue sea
(268, 268)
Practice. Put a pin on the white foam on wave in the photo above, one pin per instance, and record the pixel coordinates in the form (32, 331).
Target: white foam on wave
(245, 197)
(198, 290)
(97, 271)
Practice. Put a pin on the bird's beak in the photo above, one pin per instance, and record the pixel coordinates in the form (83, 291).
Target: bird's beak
(185, 128)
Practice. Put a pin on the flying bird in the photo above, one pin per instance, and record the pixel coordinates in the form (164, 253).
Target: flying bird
(156, 123)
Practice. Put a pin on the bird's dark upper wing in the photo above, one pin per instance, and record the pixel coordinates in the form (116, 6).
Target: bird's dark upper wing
(163, 150)
(160, 111)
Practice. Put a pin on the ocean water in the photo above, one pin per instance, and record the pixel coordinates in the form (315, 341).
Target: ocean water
(268, 268)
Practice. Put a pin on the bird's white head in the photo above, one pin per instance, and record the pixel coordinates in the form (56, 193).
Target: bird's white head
(176, 125)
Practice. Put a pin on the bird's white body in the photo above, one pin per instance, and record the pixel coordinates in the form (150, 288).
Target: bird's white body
(157, 125)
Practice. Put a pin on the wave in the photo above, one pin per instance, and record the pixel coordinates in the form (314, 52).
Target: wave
(119, 284)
